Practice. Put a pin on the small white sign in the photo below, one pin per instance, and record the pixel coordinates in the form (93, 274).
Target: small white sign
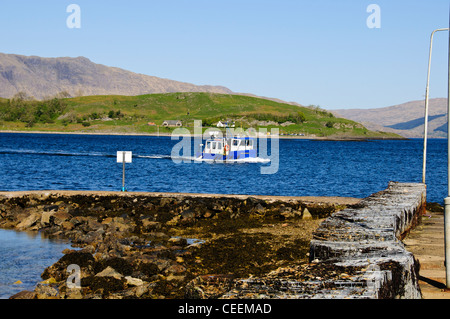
(128, 156)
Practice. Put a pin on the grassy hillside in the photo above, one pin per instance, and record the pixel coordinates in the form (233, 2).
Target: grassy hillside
(131, 114)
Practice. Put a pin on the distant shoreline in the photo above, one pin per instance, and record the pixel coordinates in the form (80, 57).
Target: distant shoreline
(316, 138)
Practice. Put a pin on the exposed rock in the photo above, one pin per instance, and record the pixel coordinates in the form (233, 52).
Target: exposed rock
(109, 272)
(150, 225)
(306, 214)
(24, 295)
(134, 281)
(175, 269)
(103, 285)
(67, 225)
(73, 293)
(178, 241)
(45, 217)
(29, 221)
(136, 246)
(208, 286)
(58, 270)
(44, 291)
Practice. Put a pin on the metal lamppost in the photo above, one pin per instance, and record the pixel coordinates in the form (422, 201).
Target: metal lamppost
(425, 136)
(447, 199)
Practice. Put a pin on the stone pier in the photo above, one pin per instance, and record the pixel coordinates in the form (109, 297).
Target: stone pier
(356, 253)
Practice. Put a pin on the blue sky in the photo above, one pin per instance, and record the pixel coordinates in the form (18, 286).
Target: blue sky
(312, 52)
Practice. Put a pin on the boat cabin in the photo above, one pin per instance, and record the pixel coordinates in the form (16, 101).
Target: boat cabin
(229, 148)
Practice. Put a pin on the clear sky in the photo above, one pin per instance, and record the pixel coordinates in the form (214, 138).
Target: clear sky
(318, 52)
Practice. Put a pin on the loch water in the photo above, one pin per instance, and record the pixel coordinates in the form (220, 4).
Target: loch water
(305, 168)
(23, 258)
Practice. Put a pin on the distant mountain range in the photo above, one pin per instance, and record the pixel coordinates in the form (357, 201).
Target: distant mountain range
(42, 78)
(45, 77)
(405, 119)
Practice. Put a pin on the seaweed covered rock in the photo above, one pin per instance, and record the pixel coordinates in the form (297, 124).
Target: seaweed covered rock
(59, 272)
(160, 245)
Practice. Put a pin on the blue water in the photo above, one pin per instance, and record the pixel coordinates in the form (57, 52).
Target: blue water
(306, 167)
(88, 162)
(23, 258)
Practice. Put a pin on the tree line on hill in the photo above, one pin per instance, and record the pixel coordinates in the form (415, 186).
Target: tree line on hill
(24, 108)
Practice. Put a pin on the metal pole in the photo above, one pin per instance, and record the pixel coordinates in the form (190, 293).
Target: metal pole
(123, 172)
(425, 135)
(447, 199)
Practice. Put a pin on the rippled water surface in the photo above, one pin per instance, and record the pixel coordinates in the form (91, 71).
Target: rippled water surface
(306, 167)
(23, 258)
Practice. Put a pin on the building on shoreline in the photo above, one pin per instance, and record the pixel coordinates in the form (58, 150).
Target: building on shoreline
(172, 123)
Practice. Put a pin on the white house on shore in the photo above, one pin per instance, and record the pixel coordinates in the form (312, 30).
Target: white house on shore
(171, 123)
(225, 124)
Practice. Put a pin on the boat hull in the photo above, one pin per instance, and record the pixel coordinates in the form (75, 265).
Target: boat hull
(231, 156)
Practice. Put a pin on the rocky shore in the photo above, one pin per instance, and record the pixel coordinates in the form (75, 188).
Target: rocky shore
(150, 245)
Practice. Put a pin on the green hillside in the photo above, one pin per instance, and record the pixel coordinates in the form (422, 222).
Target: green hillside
(132, 114)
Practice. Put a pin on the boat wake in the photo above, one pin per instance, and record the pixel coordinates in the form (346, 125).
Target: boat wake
(152, 156)
(52, 153)
(239, 160)
(199, 159)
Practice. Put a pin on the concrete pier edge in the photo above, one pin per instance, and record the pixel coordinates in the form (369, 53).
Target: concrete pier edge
(356, 253)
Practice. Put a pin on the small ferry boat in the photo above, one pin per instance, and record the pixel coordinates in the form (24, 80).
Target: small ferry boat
(229, 149)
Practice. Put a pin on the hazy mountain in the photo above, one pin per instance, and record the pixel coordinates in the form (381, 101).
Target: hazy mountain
(45, 77)
(405, 119)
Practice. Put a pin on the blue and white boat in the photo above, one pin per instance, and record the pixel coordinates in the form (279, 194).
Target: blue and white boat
(236, 148)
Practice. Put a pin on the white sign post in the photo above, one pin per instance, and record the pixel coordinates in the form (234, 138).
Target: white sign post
(124, 157)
